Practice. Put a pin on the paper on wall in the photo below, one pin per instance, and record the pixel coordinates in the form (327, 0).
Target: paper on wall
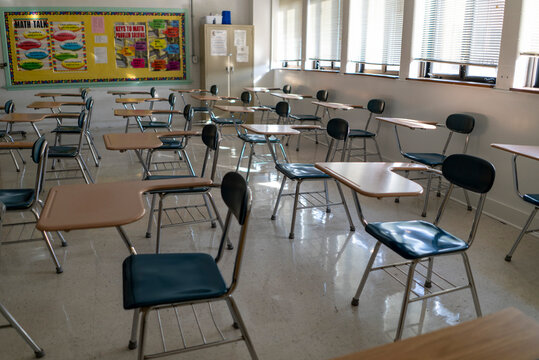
(240, 37)
(100, 55)
(98, 24)
(242, 54)
(218, 43)
(101, 39)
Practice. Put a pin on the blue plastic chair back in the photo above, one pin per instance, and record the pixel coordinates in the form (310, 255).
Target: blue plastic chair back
(287, 89)
(172, 101)
(376, 106)
(9, 107)
(246, 98)
(460, 123)
(235, 194)
(338, 128)
(469, 172)
(37, 149)
(210, 136)
(214, 90)
(322, 95)
(282, 109)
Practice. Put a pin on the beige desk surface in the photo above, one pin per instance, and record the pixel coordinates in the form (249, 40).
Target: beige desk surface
(2, 107)
(288, 96)
(264, 129)
(204, 97)
(25, 117)
(337, 106)
(52, 94)
(54, 104)
(529, 151)
(141, 141)
(259, 89)
(236, 109)
(188, 90)
(374, 179)
(410, 123)
(113, 92)
(508, 334)
(138, 100)
(89, 206)
(16, 145)
(131, 112)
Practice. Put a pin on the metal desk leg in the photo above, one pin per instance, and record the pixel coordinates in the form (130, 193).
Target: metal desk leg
(126, 240)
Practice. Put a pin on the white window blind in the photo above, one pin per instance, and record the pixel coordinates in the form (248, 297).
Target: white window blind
(289, 20)
(324, 30)
(529, 29)
(375, 31)
(466, 32)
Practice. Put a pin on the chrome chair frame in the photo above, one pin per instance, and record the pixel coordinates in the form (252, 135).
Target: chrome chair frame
(9, 107)
(322, 96)
(375, 106)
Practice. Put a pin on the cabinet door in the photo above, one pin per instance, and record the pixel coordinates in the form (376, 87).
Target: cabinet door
(241, 45)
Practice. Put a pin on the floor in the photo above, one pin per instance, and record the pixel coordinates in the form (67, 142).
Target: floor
(294, 295)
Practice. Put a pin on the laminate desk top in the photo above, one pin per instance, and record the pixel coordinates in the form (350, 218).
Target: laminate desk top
(118, 92)
(205, 97)
(374, 179)
(53, 94)
(89, 206)
(271, 129)
(181, 91)
(16, 145)
(410, 123)
(337, 106)
(141, 141)
(508, 334)
(138, 100)
(529, 151)
(235, 109)
(289, 96)
(258, 89)
(25, 117)
(132, 112)
(54, 104)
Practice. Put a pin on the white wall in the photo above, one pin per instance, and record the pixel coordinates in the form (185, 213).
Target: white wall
(241, 11)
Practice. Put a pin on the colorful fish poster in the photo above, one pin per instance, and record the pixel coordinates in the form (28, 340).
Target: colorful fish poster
(32, 44)
(164, 45)
(130, 45)
(68, 46)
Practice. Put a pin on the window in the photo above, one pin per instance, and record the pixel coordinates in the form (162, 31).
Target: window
(529, 42)
(375, 36)
(288, 30)
(459, 39)
(324, 27)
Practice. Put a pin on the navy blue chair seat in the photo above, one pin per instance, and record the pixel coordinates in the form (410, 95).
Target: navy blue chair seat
(175, 191)
(171, 144)
(305, 117)
(430, 159)
(257, 138)
(531, 198)
(300, 171)
(415, 239)
(17, 199)
(357, 133)
(154, 124)
(155, 279)
(226, 121)
(201, 109)
(67, 129)
(63, 151)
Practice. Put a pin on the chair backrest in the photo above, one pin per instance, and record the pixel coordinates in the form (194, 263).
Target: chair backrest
(83, 94)
(153, 92)
(246, 98)
(9, 107)
(282, 109)
(460, 123)
(212, 139)
(375, 106)
(172, 101)
(471, 173)
(2, 214)
(82, 123)
(214, 90)
(322, 95)
(40, 150)
(237, 197)
(287, 89)
(338, 129)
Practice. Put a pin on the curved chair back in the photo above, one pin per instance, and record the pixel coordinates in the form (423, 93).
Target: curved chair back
(187, 111)
(338, 129)
(376, 106)
(39, 156)
(322, 95)
(460, 123)
(84, 94)
(246, 98)
(172, 101)
(212, 139)
(153, 92)
(287, 89)
(9, 107)
(214, 90)
(89, 104)
(282, 109)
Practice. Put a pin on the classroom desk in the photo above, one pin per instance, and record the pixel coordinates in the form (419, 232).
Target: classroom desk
(258, 89)
(187, 91)
(289, 97)
(132, 101)
(139, 142)
(54, 95)
(16, 145)
(529, 151)
(91, 206)
(54, 105)
(206, 97)
(122, 93)
(507, 334)
(235, 108)
(337, 106)
(138, 113)
(31, 118)
(409, 123)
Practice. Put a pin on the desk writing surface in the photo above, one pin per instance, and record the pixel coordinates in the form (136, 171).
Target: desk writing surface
(374, 179)
(53, 94)
(16, 145)
(508, 334)
(137, 100)
(288, 96)
(410, 123)
(256, 89)
(235, 108)
(529, 151)
(118, 92)
(131, 112)
(53, 104)
(140, 141)
(188, 90)
(25, 117)
(270, 129)
(334, 105)
(90, 206)
(204, 97)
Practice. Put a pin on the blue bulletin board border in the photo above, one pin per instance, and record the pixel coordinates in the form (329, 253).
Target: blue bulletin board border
(157, 80)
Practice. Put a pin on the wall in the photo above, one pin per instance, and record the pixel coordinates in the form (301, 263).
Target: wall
(241, 11)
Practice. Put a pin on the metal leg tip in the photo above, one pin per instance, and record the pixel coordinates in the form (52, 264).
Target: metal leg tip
(469, 208)
(424, 214)
(397, 200)
(39, 354)
(230, 247)
(428, 284)
(213, 225)
(59, 270)
(148, 235)
(273, 217)
(352, 228)
(235, 325)
(328, 210)
(291, 236)
(508, 258)
(355, 302)
(132, 345)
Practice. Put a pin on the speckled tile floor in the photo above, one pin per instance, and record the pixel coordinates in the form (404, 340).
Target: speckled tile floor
(294, 295)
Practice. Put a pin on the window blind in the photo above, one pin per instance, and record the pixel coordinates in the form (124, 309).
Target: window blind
(529, 29)
(376, 31)
(289, 20)
(466, 32)
(324, 26)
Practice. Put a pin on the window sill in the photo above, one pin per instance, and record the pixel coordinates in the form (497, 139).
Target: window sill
(288, 69)
(385, 76)
(526, 90)
(454, 82)
(336, 71)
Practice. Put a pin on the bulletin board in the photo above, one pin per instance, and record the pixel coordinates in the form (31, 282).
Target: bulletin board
(53, 47)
